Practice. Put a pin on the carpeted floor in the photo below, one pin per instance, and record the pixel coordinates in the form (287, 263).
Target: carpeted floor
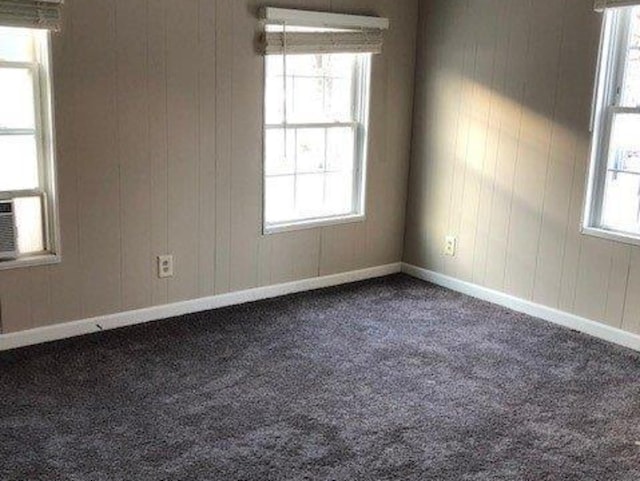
(390, 379)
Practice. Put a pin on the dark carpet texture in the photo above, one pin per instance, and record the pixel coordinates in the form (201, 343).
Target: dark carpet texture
(389, 379)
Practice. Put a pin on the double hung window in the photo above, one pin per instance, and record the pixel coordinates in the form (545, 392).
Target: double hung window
(613, 203)
(316, 118)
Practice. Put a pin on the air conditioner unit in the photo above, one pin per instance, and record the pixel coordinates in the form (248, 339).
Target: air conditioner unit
(8, 240)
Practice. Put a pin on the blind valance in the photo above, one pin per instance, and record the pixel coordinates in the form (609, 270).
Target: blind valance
(602, 5)
(295, 32)
(321, 43)
(43, 14)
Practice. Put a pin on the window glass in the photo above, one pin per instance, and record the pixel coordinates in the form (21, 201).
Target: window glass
(17, 45)
(631, 83)
(17, 99)
(622, 187)
(18, 162)
(29, 223)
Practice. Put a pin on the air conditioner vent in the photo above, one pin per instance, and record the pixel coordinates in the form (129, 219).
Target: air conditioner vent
(8, 244)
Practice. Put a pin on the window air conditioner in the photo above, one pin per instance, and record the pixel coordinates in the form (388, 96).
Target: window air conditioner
(8, 242)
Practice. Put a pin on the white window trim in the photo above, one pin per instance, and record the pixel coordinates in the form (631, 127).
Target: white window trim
(361, 124)
(45, 140)
(610, 69)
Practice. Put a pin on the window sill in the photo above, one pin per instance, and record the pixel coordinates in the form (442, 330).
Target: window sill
(30, 261)
(612, 235)
(312, 224)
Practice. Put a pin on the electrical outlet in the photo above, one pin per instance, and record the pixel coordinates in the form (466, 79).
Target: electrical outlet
(450, 246)
(165, 266)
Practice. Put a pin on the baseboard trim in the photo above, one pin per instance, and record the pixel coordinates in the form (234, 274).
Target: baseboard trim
(555, 316)
(114, 321)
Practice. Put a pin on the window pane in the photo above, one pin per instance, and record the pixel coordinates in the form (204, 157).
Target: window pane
(276, 162)
(631, 85)
(624, 148)
(307, 103)
(621, 202)
(29, 225)
(16, 45)
(18, 162)
(620, 208)
(310, 196)
(16, 99)
(339, 193)
(340, 149)
(319, 88)
(339, 99)
(280, 199)
(310, 149)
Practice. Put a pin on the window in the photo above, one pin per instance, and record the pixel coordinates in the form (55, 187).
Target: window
(316, 122)
(26, 142)
(613, 201)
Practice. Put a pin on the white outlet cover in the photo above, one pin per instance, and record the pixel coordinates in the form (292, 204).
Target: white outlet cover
(165, 266)
(451, 243)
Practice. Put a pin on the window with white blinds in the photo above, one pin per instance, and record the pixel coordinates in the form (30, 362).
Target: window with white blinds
(317, 77)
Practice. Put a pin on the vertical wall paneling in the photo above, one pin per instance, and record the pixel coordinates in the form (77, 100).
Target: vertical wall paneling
(96, 141)
(515, 175)
(224, 94)
(182, 137)
(65, 278)
(246, 122)
(133, 151)
(206, 147)
(158, 149)
(159, 111)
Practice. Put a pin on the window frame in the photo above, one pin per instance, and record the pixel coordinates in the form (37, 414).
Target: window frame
(361, 104)
(44, 132)
(606, 105)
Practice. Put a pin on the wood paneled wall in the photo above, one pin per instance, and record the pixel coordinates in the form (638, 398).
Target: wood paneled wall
(159, 130)
(500, 154)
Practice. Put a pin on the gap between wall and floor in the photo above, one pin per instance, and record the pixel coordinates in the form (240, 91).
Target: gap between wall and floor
(141, 316)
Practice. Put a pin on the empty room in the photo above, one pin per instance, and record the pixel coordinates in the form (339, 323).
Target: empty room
(323, 240)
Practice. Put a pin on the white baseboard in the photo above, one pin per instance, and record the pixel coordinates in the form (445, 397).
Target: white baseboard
(555, 316)
(140, 316)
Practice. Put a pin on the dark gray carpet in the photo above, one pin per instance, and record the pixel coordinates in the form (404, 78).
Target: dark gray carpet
(391, 379)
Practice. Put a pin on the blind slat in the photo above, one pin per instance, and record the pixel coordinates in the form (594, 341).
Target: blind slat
(602, 5)
(43, 14)
(366, 41)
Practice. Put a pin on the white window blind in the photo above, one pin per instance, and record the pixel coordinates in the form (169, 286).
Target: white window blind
(296, 32)
(42, 14)
(366, 41)
(602, 5)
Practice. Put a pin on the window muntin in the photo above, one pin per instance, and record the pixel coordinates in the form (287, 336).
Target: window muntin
(26, 138)
(315, 140)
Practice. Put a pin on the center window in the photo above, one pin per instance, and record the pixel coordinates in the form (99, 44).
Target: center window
(314, 137)
(316, 116)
